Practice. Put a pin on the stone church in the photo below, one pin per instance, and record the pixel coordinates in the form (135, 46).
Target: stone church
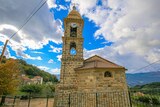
(93, 82)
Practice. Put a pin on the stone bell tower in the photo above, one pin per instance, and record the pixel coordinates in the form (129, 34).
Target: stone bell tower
(72, 53)
(72, 57)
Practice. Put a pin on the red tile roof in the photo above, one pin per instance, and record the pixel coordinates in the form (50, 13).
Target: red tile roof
(98, 62)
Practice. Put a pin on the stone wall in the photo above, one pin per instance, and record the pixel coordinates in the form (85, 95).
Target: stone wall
(91, 88)
(100, 99)
(93, 80)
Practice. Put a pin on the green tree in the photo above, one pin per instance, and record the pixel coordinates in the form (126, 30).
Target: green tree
(31, 88)
(52, 87)
(9, 73)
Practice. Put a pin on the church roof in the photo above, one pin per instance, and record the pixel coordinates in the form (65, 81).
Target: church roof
(74, 14)
(98, 62)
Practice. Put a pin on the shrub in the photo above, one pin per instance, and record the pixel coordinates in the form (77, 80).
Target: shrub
(32, 88)
(147, 99)
(155, 101)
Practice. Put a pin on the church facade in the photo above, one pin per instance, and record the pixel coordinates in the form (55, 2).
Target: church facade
(93, 82)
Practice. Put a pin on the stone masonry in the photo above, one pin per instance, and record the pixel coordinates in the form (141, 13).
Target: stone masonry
(94, 82)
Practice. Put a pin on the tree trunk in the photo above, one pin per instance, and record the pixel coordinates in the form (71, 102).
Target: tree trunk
(2, 100)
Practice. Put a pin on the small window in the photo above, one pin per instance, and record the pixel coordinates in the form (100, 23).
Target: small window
(107, 74)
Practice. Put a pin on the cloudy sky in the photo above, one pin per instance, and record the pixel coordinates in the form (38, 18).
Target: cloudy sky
(126, 32)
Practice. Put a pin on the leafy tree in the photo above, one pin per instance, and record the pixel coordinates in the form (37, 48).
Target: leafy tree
(9, 73)
(52, 88)
(31, 88)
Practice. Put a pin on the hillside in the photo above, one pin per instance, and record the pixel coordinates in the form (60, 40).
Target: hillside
(154, 85)
(142, 78)
(31, 71)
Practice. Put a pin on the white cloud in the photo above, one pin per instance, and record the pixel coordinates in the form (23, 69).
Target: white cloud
(7, 53)
(55, 50)
(43, 68)
(26, 56)
(128, 60)
(19, 51)
(55, 71)
(37, 52)
(47, 69)
(133, 26)
(61, 7)
(59, 57)
(41, 29)
(50, 61)
(51, 3)
(84, 5)
(67, 0)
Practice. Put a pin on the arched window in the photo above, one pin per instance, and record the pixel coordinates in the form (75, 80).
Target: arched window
(107, 74)
(73, 48)
(72, 45)
(73, 32)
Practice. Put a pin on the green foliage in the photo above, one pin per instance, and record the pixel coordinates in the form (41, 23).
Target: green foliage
(143, 99)
(48, 89)
(147, 99)
(32, 88)
(154, 85)
(52, 88)
(9, 73)
(32, 71)
(148, 94)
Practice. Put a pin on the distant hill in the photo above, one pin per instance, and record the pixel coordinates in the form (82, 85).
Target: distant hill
(142, 78)
(154, 85)
(31, 71)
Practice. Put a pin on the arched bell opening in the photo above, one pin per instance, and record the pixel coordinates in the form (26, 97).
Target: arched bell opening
(73, 48)
(73, 30)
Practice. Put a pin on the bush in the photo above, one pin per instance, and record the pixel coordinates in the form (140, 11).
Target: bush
(32, 88)
(155, 101)
(148, 99)
(144, 99)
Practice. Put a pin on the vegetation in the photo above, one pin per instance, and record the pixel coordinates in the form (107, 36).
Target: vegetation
(151, 86)
(9, 72)
(50, 88)
(147, 99)
(32, 71)
(32, 88)
(148, 94)
(39, 89)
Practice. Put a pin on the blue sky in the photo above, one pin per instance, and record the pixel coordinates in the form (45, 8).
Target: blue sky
(113, 29)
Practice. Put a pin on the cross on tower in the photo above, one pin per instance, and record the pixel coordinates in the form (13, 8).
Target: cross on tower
(74, 6)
